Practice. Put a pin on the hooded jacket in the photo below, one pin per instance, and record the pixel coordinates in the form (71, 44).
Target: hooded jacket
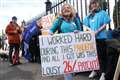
(13, 32)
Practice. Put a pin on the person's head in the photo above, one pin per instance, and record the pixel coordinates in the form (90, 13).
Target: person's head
(67, 11)
(14, 19)
(94, 5)
(23, 23)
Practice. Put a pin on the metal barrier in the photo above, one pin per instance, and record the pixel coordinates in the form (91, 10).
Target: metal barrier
(81, 7)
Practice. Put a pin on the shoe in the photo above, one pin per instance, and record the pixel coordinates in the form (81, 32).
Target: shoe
(19, 63)
(10, 64)
(102, 77)
(92, 74)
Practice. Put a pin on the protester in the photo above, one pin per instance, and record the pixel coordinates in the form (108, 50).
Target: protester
(30, 41)
(34, 49)
(34, 44)
(97, 21)
(65, 23)
(23, 25)
(13, 32)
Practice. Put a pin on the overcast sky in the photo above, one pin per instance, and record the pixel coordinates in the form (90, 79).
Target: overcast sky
(23, 9)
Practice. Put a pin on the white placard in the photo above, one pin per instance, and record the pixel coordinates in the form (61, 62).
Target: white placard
(68, 53)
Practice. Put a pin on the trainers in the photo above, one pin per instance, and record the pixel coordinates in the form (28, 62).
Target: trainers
(102, 77)
(92, 74)
(10, 64)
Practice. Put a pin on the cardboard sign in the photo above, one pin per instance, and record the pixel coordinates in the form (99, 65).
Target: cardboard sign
(68, 53)
(47, 21)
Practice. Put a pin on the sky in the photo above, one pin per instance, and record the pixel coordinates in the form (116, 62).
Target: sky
(23, 9)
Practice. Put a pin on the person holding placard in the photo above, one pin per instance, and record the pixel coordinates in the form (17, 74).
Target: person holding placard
(97, 21)
(67, 22)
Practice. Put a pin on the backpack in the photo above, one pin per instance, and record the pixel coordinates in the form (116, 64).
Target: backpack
(60, 20)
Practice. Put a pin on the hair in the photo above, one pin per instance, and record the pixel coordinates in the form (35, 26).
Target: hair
(14, 18)
(94, 1)
(73, 12)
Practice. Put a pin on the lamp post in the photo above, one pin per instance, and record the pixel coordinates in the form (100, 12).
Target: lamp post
(48, 6)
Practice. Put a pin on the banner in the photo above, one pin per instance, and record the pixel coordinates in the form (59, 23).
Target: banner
(68, 53)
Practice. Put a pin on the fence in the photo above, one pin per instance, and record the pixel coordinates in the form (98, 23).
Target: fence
(81, 7)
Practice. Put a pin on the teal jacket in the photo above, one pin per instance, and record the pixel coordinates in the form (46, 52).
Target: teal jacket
(66, 26)
(100, 18)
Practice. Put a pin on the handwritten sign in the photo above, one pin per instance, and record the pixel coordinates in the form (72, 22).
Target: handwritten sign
(68, 53)
(47, 21)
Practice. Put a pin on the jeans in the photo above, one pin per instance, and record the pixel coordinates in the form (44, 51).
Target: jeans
(68, 76)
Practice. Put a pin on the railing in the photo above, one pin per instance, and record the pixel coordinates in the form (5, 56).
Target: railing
(81, 7)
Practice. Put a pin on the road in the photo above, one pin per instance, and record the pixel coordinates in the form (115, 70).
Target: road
(30, 71)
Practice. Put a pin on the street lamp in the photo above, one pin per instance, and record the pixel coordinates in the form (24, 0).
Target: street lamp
(48, 6)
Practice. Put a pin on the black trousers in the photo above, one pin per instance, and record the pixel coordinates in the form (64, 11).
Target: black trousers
(35, 52)
(102, 55)
(13, 48)
(113, 55)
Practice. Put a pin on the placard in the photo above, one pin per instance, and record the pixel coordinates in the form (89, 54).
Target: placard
(68, 53)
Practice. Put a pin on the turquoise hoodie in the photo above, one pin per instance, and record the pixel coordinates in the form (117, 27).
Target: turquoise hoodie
(66, 26)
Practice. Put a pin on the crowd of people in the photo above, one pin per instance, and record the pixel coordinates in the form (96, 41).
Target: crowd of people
(15, 34)
(67, 22)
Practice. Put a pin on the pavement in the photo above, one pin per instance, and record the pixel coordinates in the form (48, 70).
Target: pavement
(31, 71)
